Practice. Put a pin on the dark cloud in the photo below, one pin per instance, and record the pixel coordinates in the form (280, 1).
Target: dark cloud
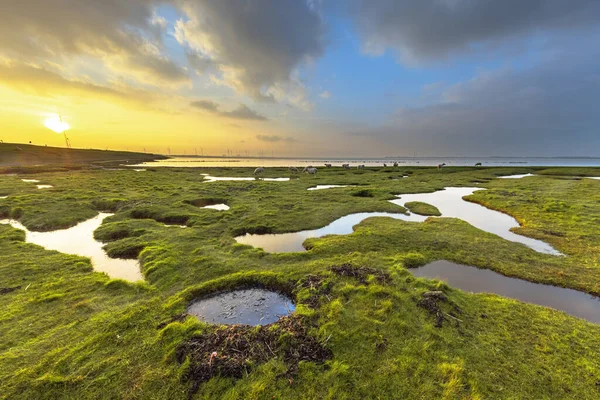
(206, 105)
(200, 64)
(274, 138)
(256, 44)
(125, 35)
(428, 30)
(242, 111)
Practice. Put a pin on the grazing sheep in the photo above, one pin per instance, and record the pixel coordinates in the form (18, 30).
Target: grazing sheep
(293, 170)
(395, 164)
(440, 166)
(478, 164)
(384, 165)
(362, 166)
(259, 170)
(346, 166)
(306, 168)
(328, 165)
(311, 171)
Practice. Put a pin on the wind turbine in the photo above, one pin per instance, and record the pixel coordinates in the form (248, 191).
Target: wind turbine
(67, 141)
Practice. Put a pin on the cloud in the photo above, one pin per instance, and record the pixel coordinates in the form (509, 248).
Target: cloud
(274, 138)
(325, 95)
(430, 30)
(257, 45)
(41, 82)
(242, 111)
(206, 105)
(550, 109)
(124, 35)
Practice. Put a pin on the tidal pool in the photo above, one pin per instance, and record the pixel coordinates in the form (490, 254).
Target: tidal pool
(292, 242)
(471, 279)
(448, 201)
(321, 187)
(516, 176)
(30, 180)
(44, 186)
(246, 306)
(79, 240)
(209, 178)
(219, 207)
(3, 197)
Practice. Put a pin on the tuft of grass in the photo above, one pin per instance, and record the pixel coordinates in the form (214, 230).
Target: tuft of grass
(417, 207)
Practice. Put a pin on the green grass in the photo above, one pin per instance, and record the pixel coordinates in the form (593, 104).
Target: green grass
(418, 207)
(68, 332)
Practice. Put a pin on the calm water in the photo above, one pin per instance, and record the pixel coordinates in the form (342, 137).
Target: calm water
(516, 176)
(248, 307)
(292, 242)
(79, 240)
(321, 187)
(209, 178)
(338, 161)
(219, 207)
(448, 201)
(471, 279)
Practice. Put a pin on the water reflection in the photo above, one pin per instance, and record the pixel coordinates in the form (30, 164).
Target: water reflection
(477, 280)
(450, 203)
(44, 186)
(516, 176)
(248, 307)
(321, 187)
(208, 178)
(292, 242)
(30, 180)
(219, 207)
(79, 240)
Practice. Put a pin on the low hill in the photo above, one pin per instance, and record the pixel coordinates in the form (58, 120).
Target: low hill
(22, 155)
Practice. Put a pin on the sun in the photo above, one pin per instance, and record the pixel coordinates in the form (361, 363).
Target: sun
(56, 124)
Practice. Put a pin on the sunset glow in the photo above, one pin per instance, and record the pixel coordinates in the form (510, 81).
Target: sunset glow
(305, 78)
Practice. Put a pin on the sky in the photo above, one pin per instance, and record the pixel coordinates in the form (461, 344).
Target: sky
(304, 77)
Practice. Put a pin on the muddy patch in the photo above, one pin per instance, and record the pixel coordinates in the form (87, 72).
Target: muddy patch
(361, 273)
(8, 290)
(246, 306)
(432, 302)
(233, 352)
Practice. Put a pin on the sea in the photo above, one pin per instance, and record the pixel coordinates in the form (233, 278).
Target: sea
(370, 162)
